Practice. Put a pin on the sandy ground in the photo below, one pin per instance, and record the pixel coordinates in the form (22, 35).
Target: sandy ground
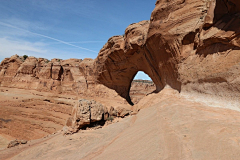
(28, 114)
(169, 128)
(3, 142)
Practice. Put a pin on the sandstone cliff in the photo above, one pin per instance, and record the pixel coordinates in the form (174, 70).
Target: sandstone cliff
(72, 76)
(42, 74)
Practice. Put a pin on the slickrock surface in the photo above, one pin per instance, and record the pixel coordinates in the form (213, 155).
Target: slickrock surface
(170, 128)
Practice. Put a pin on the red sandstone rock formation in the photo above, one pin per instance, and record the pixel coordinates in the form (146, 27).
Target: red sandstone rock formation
(42, 74)
(122, 57)
(192, 46)
(195, 46)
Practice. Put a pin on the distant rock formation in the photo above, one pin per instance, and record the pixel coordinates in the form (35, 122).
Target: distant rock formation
(42, 74)
(140, 89)
(72, 76)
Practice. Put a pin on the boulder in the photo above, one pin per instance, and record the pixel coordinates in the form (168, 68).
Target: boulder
(122, 112)
(113, 112)
(16, 142)
(85, 113)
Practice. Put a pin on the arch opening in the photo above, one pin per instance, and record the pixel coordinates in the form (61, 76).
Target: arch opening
(141, 86)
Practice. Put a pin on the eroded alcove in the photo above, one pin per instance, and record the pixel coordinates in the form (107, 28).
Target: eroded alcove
(141, 86)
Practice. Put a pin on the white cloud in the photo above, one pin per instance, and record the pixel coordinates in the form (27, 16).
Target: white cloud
(9, 47)
(22, 37)
(44, 36)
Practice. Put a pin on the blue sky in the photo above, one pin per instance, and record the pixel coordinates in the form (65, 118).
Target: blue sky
(66, 28)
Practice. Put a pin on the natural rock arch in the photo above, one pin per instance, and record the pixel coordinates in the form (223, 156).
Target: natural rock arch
(122, 57)
(176, 50)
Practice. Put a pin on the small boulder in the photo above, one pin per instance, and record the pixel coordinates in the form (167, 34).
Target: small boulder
(112, 112)
(16, 143)
(13, 143)
(23, 141)
(86, 112)
(122, 112)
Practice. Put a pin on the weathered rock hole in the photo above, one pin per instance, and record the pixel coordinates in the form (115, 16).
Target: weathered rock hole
(189, 38)
(95, 124)
(141, 86)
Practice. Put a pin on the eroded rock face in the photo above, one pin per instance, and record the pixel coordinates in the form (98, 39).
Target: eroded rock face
(9, 67)
(44, 75)
(196, 46)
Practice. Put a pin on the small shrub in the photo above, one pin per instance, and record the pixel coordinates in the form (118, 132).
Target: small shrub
(47, 61)
(25, 57)
(110, 118)
(96, 125)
